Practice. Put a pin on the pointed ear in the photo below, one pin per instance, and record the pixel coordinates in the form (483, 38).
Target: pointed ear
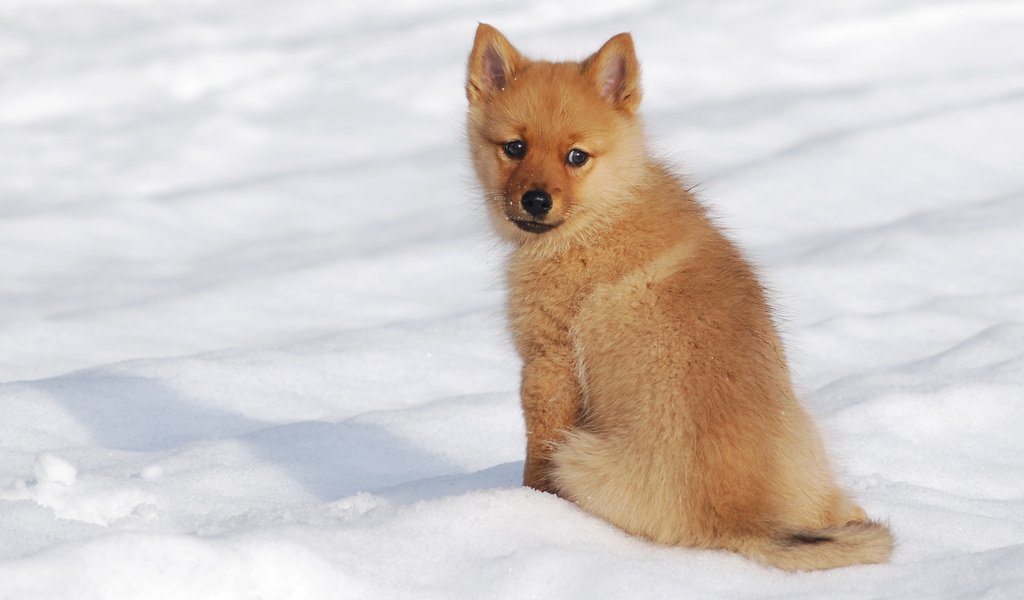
(615, 73)
(492, 62)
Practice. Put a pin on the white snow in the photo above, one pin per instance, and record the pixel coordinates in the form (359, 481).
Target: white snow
(251, 335)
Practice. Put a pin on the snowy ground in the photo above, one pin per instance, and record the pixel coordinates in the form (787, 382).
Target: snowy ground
(251, 341)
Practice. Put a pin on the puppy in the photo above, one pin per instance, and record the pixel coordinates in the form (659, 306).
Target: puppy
(654, 385)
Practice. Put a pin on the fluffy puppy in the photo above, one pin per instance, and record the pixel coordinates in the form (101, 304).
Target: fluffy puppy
(654, 385)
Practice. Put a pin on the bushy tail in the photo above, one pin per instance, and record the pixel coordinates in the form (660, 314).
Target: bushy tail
(854, 543)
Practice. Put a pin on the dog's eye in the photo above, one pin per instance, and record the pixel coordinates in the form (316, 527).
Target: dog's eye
(515, 149)
(576, 157)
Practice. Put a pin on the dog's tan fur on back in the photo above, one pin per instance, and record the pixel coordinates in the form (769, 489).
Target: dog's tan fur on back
(654, 385)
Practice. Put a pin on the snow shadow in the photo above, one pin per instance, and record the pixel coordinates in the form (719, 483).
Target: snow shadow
(335, 460)
(329, 459)
(127, 412)
(505, 475)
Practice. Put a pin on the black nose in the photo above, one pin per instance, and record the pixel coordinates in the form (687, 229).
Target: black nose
(537, 202)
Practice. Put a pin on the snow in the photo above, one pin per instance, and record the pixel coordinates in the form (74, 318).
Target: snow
(251, 334)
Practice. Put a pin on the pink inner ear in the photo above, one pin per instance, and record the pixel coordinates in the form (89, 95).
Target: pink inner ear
(494, 69)
(614, 73)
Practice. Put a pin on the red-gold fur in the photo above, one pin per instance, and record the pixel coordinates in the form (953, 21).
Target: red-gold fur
(654, 385)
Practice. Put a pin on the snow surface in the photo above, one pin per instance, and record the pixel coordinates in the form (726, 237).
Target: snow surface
(251, 342)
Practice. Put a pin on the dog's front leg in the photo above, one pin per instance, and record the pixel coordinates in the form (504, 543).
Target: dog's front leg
(551, 402)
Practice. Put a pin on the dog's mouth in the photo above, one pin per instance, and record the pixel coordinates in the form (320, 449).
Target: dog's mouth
(533, 226)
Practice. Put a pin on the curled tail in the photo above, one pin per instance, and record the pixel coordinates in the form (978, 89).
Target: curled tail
(857, 542)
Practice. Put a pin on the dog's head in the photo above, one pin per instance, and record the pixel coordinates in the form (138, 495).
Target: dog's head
(557, 147)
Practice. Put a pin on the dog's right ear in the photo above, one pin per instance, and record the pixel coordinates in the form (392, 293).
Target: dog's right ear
(492, 62)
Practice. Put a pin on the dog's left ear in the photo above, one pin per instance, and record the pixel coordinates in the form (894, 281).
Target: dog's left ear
(615, 73)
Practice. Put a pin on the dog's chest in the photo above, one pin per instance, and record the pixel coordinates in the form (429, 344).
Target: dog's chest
(546, 295)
